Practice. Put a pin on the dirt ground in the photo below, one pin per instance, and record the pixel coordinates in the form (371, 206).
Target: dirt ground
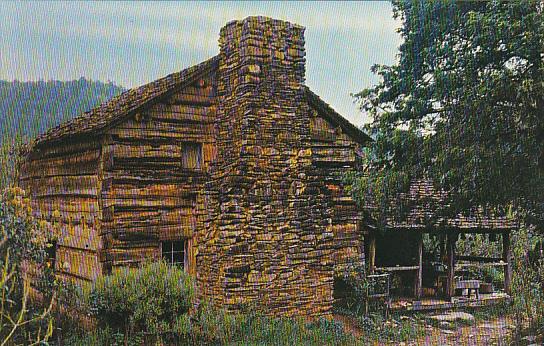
(492, 332)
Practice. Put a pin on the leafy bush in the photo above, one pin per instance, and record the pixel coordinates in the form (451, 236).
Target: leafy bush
(527, 283)
(23, 244)
(145, 301)
(155, 304)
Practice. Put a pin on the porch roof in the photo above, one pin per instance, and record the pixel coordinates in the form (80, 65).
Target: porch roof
(421, 211)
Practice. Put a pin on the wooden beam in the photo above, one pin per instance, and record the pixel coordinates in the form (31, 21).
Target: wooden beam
(479, 265)
(418, 288)
(479, 259)
(507, 257)
(372, 254)
(397, 269)
(450, 249)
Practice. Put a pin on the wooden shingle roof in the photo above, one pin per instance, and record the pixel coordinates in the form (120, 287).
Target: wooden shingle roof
(422, 205)
(331, 115)
(117, 108)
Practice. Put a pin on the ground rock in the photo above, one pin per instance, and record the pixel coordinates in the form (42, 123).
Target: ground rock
(452, 317)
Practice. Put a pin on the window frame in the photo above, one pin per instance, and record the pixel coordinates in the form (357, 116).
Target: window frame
(192, 146)
(168, 255)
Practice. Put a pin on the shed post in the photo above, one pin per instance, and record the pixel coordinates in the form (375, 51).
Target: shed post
(507, 258)
(450, 249)
(419, 272)
(372, 253)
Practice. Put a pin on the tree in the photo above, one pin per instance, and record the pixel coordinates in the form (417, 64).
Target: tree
(463, 107)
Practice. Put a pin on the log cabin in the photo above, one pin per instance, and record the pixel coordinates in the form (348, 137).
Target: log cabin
(232, 169)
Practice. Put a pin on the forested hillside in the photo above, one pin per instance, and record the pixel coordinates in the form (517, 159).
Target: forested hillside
(30, 108)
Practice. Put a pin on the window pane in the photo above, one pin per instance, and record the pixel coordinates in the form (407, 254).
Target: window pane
(177, 246)
(178, 257)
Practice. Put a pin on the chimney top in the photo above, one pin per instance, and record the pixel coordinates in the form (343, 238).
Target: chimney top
(263, 20)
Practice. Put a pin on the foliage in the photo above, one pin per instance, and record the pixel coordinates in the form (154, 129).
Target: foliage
(527, 283)
(396, 328)
(355, 289)
(156, 304)
(144, 301)
(23, 255)
(31, 108)
(462, 107)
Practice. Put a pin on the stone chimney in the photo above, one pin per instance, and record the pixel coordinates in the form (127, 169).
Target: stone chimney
(265, 242)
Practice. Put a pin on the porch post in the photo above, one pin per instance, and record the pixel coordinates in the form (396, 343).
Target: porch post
(450, 249)
(372, 253)
(507, 258)
(419, 273)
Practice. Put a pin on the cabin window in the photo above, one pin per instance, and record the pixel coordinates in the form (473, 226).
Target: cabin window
(191, 156)
(174, 252)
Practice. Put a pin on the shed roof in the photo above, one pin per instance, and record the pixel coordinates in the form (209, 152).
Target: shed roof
(422, 205)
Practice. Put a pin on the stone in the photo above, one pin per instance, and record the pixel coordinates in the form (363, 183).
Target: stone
(446, 325)
(453, 317)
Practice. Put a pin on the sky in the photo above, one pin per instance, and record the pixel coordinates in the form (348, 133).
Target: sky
(132, 44)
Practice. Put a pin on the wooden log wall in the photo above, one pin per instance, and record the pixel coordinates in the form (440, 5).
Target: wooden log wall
(64, 178)
(154, 169)
(334, 154)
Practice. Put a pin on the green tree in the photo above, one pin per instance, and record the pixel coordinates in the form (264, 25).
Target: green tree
(463, 106)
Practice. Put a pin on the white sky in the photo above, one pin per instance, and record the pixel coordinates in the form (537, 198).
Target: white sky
(135, 43)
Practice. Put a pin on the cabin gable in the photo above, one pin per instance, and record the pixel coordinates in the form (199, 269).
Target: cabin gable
(156, 164)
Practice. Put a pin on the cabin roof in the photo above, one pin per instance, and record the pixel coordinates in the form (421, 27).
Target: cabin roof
(422, 204)
(117, 108)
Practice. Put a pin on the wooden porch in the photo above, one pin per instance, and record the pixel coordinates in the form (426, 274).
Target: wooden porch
(431, 304)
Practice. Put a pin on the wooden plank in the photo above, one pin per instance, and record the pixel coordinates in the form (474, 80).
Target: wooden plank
(184, 113)
(122, 257)
(397, 269)
(151, 232)
(86, 185)
(69, 147)
(450, 249)
(479, 265)
(84, 264)
(372, 254)
(418, 287)
(199, 134)
(142, 202)
(145, 152)
(79, 236)
(162, 126)
(80, 163)
(479, 259)
(507, 257)
(72, 211)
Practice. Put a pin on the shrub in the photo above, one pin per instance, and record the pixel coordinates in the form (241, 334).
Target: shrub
(23, 244)
(149, 300)
(527, 283)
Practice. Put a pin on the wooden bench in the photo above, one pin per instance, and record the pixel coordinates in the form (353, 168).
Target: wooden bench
(469, 285)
